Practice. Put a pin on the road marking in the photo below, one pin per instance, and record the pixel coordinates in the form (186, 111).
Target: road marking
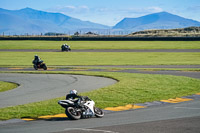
(126, 107)
(28, 119)
(46, 117)
(52, 116)
(78, 69)
(93, 130)
(185, 108)
(50, 68)
(177, 100)
(15, 68)
(120, 108)
(112, 70)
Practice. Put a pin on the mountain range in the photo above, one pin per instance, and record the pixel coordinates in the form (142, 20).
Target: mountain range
(32, 21)
(161, 20)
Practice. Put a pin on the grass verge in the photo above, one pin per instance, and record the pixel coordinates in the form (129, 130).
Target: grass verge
(131, 88)
(127, 68)
(101, 44)
(5, 86)
(100, 58)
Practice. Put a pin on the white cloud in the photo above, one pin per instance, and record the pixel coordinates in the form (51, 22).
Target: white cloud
(69, 9)
(154, 9)
(141, 11)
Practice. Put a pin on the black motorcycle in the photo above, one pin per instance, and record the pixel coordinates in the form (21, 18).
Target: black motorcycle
(41, 65)
(65, 48)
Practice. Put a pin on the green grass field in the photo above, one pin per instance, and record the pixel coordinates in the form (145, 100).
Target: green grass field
(5, 86)
(99, 58)
(101, 44)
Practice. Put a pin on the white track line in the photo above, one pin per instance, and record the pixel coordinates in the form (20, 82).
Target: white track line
(185, 108)
(94, 130)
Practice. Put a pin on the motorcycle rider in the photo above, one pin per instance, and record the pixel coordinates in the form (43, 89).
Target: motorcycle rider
(65, 46)
(37, 60)
(73, 95)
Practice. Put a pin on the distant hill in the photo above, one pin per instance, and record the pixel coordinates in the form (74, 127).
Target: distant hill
(32, 21)
(162, 20)
(180, 32)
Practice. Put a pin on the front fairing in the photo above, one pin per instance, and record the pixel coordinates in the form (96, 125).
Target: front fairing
(90, 107)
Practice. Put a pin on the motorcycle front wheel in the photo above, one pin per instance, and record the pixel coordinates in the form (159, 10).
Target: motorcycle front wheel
(44, 67)
(72, 113)
(98, 112)
(35, 67)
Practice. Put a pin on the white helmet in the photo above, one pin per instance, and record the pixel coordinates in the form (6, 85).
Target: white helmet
(73, 92)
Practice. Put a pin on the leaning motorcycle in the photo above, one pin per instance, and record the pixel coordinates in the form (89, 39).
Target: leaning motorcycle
(75, 112)
(65, 48)
(40, 65)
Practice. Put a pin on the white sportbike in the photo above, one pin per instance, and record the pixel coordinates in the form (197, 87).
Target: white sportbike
(74, 111)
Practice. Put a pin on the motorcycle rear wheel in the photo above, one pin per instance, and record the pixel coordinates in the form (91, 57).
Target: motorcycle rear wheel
(98, 112)
(72, 113)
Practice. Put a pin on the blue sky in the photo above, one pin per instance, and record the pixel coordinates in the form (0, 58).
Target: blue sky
(108, 12)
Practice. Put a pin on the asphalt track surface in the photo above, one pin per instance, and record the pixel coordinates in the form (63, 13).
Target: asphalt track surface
(40, 87)
(165, 118)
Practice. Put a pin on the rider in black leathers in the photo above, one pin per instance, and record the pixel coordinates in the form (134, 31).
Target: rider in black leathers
(65, 47)
(74, 95)
(37, 60)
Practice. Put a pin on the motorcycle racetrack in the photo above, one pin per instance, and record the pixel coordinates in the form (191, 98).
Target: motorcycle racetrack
(156, 117)
(39, 87)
